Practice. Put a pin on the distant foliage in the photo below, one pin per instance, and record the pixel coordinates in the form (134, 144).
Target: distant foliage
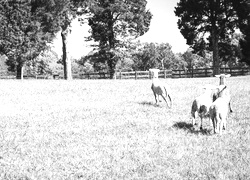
(62, 13)
(113, 21)
(208, 25)
(3, 67)
(137, 56)
(153, 55)
(22, 34)
(44, 64)
(27, 26)
(230, 51)
(143, 56)
(196, 61)
(245, 29)
(245, 47)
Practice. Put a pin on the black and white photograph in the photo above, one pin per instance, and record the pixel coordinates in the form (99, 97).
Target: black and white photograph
(124, 89)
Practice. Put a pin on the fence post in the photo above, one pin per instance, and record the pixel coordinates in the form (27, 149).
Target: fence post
(120, 74)
(100, 75)
(135, 75)
(149, 75)
(192, 72)
(165, 74)
(205, 72)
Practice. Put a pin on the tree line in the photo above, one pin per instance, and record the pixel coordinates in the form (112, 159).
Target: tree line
(210, 24)
(29, 26)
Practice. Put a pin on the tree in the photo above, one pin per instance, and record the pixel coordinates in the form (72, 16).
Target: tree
(125, 61)
(145, 57)
(22, 35)
(230, 52)
(111, 22)
(3, 66)
(60, 15)
(44, 64)
(245, 46)
(97, 60)
(244, 13)
(205, 23)
(153, 55)
(179, 62)
(196, 61)
(165, 55)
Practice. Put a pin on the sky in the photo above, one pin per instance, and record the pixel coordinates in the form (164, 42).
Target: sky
(163, 29)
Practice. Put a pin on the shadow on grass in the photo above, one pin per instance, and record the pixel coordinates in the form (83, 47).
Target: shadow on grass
(146, 103)
(189, 128)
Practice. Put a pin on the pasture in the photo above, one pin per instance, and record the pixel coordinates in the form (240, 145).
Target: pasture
(111, 129)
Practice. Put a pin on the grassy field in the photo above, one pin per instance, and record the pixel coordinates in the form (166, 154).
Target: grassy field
(111, 129)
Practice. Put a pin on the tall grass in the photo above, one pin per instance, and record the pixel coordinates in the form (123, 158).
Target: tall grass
(104, 129)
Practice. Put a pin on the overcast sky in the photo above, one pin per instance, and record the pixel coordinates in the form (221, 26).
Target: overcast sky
(163, 29)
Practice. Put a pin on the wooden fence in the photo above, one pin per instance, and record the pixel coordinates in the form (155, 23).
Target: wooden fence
(208, 72)
(142, 74)
(179, 73)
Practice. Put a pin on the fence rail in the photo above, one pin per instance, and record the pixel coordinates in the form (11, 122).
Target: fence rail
(178, 73)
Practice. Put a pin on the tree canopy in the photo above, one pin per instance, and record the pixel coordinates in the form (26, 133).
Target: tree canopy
(112, 21)
(22, 35)
(205, 24)
(61, 13)
(153, 55)
(245, 46)
(245, 29)
(28, 26)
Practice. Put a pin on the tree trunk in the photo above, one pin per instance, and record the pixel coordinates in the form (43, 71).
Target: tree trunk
(112, 74)
(111, 64)
(111, 56)
(65, 59)
(215, 46)
(162, 64)
(19, 71)
(216, 59)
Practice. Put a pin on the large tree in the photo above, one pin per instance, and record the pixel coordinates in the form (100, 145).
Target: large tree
(112, 21)
(244, 13)
(61, 14)
(230, 52)
(22, 35)
(206, 23)
(245, 46)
